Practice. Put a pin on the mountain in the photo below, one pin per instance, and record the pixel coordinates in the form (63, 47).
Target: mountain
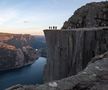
(90, 15)
(15, 51)
(19, 40)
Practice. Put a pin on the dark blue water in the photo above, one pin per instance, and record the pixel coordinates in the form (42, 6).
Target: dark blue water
(32, 74)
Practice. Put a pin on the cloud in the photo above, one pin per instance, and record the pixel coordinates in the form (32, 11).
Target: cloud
(26, 21)
(22, 21)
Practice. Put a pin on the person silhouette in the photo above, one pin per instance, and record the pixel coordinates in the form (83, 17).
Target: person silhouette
(50, 27)
(56, 27)
(53, 27)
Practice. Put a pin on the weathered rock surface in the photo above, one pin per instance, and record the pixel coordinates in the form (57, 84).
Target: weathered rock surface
(91, 15)
(11, 57)
(93, 77)
(69, 51)
(15, 51)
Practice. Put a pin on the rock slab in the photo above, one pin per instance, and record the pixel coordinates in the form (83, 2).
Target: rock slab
(69, 51)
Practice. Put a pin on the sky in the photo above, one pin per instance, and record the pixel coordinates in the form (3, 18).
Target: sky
(33, 16)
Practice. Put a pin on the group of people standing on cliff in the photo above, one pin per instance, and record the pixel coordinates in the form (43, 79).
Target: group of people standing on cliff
(53, 27)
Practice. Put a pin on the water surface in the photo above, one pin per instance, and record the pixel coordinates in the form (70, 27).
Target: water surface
(32, 74)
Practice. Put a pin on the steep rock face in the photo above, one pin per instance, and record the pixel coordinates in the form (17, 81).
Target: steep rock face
(91, 15)
(93, 77)
(69, 51)
(29, 53)
(12, 57)
(16, 50)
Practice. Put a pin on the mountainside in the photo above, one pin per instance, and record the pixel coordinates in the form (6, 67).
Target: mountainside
(17, 40)
(20, 40)
(15, 51)
(91, 15)
(70, 49)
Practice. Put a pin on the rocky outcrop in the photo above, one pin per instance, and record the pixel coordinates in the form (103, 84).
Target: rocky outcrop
(69, 51)
(91, 15)
(93, 77)
(15, 51)
(43, 52)
(11, 57)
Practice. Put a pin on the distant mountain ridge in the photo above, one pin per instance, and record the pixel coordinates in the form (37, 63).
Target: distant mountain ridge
(17, 40)
(20, 40)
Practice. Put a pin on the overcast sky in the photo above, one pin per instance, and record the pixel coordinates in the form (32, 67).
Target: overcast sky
(32, 16)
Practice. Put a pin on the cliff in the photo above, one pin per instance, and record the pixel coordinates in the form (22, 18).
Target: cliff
(15, 51)
(69, 51)
(81, 38)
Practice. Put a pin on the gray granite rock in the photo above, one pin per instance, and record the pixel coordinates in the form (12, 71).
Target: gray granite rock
(91, 15)
(71, 48)
(69, 51)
